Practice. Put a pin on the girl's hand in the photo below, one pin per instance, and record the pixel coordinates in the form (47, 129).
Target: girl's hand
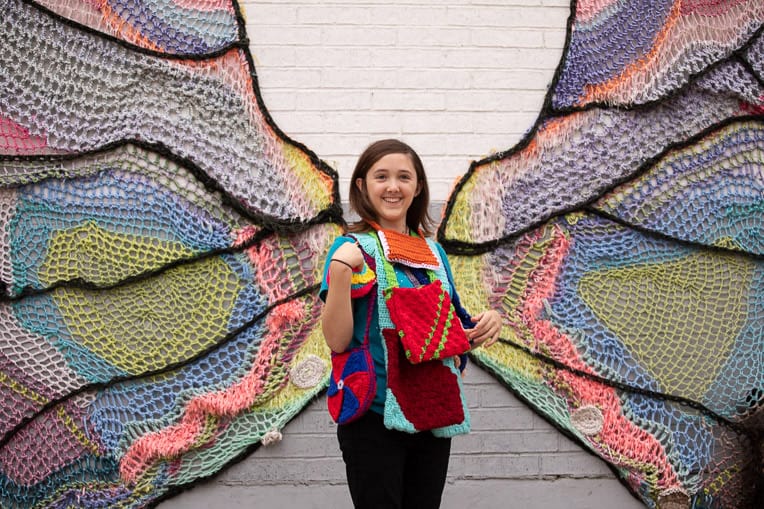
(350, 253)
(487, 328)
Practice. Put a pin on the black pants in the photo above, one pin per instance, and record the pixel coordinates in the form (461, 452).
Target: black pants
(391, 469)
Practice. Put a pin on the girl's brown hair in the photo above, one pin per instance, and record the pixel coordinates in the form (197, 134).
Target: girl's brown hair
(417, 215)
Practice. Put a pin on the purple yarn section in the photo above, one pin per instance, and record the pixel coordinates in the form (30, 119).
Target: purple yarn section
(724, 204)
(164, 32)
(595, 157)
(602, 50)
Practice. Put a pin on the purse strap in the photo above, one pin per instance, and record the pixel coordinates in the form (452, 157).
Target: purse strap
(372, 301)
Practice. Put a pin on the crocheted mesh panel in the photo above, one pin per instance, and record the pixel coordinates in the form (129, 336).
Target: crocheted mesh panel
(622, 242)
(162, 246)
(85, 92)
(183, 27)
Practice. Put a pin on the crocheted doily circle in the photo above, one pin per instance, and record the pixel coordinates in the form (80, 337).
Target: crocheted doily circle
(673, 499)
(588, 420)
(271, 437)
(308, 373)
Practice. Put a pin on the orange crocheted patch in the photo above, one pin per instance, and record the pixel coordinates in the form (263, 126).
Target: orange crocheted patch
(407, 249)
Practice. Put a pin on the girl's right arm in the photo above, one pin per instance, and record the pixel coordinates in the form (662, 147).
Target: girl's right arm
(337, 315)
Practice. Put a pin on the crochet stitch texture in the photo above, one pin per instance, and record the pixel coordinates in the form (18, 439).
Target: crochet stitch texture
(162, 242)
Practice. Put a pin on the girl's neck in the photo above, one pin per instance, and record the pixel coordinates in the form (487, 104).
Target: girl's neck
(400, 228)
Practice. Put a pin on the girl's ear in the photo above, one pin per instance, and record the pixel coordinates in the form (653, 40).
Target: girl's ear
(418, 188)
(359, 184)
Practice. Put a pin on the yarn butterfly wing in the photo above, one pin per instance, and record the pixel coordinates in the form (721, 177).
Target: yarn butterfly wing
(621, 240)
(161, 249)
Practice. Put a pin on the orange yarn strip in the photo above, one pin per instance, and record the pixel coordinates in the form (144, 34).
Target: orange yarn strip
(620, 441)
(406, 249)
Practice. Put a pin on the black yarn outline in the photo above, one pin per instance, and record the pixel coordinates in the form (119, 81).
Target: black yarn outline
(240, 40)
(241, 45)
(548, 112)
(96, 386)
(737, 427)
(331, 214)
(460, 247)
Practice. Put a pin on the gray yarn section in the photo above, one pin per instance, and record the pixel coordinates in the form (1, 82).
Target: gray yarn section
(81, 92)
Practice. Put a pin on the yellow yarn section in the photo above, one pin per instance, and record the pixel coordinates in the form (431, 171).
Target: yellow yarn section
(680, 318)
(151, 323)
(102, 257)
(309, 178)
(468, 280)
(514, 363)
(19, 389)
(473, 293)
(458, 225)
(211, 424)
(76, 431)
(289, 394)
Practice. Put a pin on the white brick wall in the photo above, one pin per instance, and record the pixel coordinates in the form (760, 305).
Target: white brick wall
(457, 80)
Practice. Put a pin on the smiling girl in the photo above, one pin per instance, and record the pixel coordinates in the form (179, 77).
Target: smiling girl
(388, 286)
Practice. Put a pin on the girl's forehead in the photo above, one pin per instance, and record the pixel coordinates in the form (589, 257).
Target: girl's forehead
(399, 162)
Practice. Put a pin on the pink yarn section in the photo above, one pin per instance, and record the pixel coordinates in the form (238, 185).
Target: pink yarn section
(16, 139)
(175, 440)
(205, 6)
(27, 460)
(708, 7)
(586, 10)
(620, 441)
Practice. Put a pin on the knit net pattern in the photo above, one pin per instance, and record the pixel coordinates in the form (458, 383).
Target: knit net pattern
(181, 27)
(622, 242)
(161, 247)
(68, 89)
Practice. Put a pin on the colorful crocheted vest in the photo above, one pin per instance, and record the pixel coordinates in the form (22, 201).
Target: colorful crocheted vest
(418, 397)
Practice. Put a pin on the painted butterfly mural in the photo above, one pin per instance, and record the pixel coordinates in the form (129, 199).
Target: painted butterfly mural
(162, 241)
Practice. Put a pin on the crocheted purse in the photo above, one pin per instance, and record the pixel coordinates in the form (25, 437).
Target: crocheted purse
(426, 322)
(353, 382)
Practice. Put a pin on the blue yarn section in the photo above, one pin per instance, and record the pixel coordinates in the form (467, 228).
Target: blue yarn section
(349, 405)
(176, 29)
(118, 202)
(161, 398)
(39, 314)
(736, 382)
(727, 202)
(603, 49)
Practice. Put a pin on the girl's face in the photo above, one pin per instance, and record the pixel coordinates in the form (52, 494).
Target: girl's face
(391, 185)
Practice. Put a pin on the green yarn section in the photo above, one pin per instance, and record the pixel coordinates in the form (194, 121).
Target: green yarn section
(98, 256)
(679, 318)
(148, 324)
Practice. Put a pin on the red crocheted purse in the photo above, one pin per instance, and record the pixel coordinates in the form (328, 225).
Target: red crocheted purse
(353, 382)
(426, 322)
